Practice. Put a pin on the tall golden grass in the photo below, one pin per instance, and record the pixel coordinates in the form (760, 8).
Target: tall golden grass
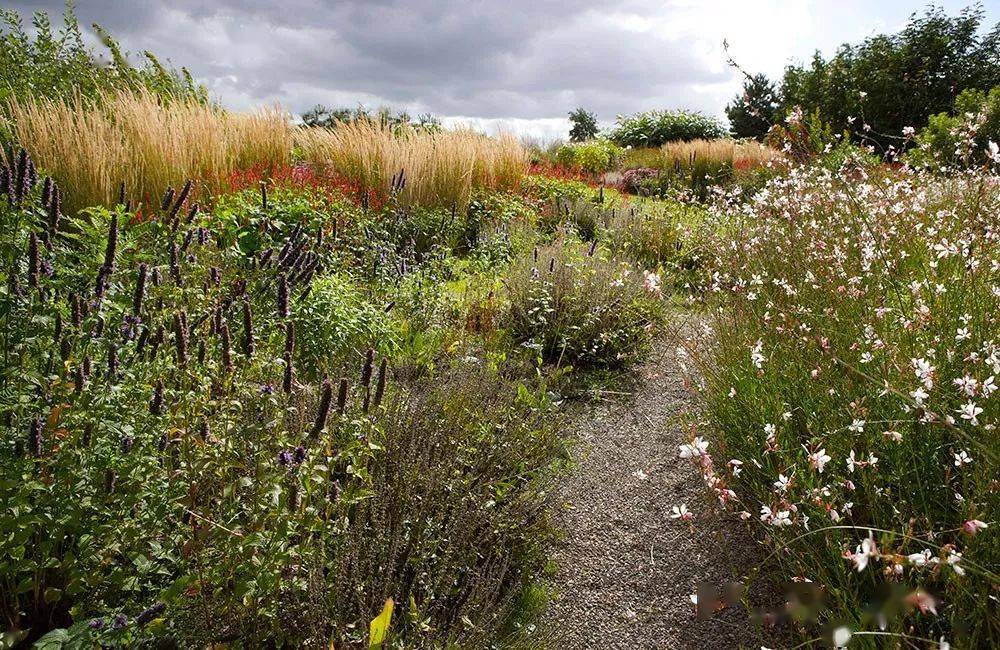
(441, 167)
(90, 148)
(741, 154)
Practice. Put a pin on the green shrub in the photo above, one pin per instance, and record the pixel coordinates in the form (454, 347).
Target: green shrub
(594, 156)
(575, 306)
(962, 137)
(655, 128)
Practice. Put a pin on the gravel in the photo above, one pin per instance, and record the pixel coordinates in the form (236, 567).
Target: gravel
(626, 570)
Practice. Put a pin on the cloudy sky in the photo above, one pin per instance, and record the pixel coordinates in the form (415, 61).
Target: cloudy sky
(513, 64)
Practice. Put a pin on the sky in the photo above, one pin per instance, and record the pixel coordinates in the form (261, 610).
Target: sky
(513, 65)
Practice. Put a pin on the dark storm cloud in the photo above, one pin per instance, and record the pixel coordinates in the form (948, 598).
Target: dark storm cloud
(513, 59)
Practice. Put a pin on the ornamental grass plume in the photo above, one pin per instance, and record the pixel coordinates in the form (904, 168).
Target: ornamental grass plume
(416, 167)
(93, 146)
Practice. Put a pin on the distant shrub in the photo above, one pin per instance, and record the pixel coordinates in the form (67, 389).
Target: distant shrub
(961, 137)
(575, 306)
(632, 179)
(801, 136)
(654, 128)
(595, 156)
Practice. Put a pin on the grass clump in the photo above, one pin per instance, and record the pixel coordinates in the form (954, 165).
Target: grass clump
(93, 147)
(574, 305)
(418, 167)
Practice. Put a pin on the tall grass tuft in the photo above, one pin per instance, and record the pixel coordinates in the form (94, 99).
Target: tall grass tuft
(439, 168)
(91, 148)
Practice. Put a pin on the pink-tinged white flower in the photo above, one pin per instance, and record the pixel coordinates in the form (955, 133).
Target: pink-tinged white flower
(909, 131)
(973, 526)
(967, 385)
(756, 354)
(818, 460)
(920, 559)
(954, 558)
(745, 515)
(919, 395)
(993, 151)
(697, 447)
(782, 483)
(895, 436)
(989, 385)
(735, 466)
(924, 371)
(962, 458)
(651, 282)
(863, 553)
(922, 601)
(970, 412)
(681, 512)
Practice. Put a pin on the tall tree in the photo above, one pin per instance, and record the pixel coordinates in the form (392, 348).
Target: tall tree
(584, 125)
(892, 81)
(752, 112)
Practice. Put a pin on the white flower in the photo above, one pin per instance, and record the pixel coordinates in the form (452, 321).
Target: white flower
(818, 460)
(924, 371)
(993, 151)
(989, 385)
(782, 483)
(919, 395)
(857, 426)
(651, 282)
(681, 512)
(962, 334)
(865, 551)
(969, 411)
(841, 636)
(962, 458)
(909, 131)
(967, 385)
(697, 447)
(954, 557)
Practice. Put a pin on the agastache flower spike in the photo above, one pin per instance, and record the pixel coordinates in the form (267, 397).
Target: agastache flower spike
(325, 400)
(247, 328)
(35, 437)
(140, 289)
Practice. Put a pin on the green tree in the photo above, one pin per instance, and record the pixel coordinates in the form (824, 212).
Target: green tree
(892, 81)
(584, 125)
(752, 112)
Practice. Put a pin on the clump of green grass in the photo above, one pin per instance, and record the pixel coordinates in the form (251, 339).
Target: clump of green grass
(575, 305)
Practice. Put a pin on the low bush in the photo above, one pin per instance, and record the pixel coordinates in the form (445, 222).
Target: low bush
(849, 397)
(962, 137)
(655, 128)
(575, 306)
(594, 156)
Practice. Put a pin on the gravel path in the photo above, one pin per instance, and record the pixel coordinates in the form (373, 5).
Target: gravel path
(626, 571)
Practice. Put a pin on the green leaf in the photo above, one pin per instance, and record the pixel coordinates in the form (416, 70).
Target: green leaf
(379, 627)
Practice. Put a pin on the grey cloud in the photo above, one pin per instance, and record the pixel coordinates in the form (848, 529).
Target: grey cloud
(513, 59)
